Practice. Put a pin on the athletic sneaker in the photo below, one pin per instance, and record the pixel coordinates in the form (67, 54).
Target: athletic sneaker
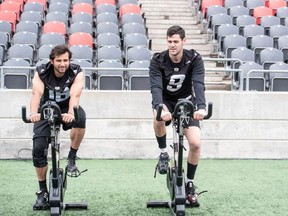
(71, 163)
(162, 165)
(192, 196)
(42, 201)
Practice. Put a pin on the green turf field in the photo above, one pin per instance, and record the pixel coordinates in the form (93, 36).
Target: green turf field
(122, 187)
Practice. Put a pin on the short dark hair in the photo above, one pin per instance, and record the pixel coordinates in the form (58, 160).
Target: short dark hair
(176, 30)
(60, 50)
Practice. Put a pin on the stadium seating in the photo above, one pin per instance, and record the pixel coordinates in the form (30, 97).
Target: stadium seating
(256, 79)
(278, 80)
(138, 79)
(16, 78)
(81, 38)
(114, 27)
(110, 79)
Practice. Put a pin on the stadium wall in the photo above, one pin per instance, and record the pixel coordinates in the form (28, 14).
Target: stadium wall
(119, 126)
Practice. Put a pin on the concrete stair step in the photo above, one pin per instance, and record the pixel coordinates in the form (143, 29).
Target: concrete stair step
(188, 37)
(162, 31)
(170, 9)
(188, 41)
(170, 17)
(197, 47)
(203, 53)
(167, 13)
(160, 5)
(170, 22)
(166, 25)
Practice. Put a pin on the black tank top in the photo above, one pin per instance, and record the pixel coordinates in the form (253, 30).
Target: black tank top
(57, 89)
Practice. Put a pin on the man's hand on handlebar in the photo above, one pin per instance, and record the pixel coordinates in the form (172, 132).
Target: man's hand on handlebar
(199, 114)
(35, 117)
(67, 117)
(166, 116)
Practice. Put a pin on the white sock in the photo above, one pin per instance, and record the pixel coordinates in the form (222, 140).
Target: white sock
(189, 180)
(163, 150)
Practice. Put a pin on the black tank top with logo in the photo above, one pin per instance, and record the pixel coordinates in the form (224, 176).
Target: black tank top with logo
(57, 89)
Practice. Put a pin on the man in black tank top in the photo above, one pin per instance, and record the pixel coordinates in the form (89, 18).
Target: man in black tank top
(178, 73)
(62, 82)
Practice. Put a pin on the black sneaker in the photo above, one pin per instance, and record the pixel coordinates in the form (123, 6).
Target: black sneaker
(162, 165)
(71, 167)
(42, 201)
(192, 196)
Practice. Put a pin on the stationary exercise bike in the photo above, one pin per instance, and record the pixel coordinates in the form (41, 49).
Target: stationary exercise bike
(51, 112)
(181, 116)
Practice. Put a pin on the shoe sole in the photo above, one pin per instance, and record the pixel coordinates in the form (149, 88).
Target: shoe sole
(39, 208)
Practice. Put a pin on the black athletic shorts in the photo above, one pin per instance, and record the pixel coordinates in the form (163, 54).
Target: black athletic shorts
(171, 105)
(42, 128)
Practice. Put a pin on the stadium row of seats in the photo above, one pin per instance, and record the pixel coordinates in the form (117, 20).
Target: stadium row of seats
(253, 34)
(106, 39)
(273, 78)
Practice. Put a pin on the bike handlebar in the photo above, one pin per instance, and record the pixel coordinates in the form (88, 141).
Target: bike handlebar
(55, 107)
(181, 102)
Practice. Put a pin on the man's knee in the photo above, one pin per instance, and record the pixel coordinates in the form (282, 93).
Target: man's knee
(40, 151)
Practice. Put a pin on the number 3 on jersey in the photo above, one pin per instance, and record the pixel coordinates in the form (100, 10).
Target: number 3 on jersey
(175, 82)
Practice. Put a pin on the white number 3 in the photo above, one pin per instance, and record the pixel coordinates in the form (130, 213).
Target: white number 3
(175, 82)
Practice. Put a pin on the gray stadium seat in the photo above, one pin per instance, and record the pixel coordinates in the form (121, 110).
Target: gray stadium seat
(82, 52)
(259, 42)
(252, 30)
(270, 55)
(110, 79)
(138, 79)
(44, 51)
(28, 26)
(105, 27)
(81, 27)
(138, 53)
(60, 7)
(279, 80)
(88, 73)
(277, 31)
(256, 79)
(282, 13)
(17, 78)
(82, 17)
(25, 37)
(236, 11)
(106, 17)
(231, 42)
(282, 44)
(23, 51)
(216, 21)
(52, 38)
(132, 18)
(109, 53)
(232, 3)
(57, 16)
(244, 20)
(106, 8)
(34, 16)
(108, 38)
(128, 28)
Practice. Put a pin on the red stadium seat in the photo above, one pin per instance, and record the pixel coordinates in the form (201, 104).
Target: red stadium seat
(207, 3)
(97, 2)
(82, 7)
(261, 11)
(21, 2)
(54, 26)
(129, 8)
(81, 38)
(274, 4)
(11, 17)
(11, 6)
